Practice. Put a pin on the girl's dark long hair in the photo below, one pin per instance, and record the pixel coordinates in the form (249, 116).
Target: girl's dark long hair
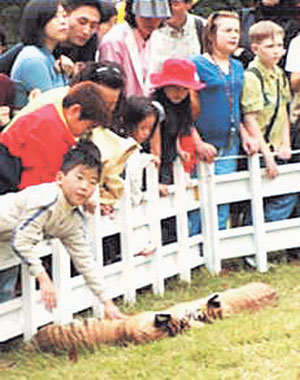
(178, 115)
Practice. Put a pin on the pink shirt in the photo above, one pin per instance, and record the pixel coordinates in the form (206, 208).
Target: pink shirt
(126, 46)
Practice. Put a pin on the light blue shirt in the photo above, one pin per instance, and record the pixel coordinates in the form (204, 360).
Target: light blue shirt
(34, 68)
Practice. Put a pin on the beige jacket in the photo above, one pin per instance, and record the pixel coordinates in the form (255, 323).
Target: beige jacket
(27, 217)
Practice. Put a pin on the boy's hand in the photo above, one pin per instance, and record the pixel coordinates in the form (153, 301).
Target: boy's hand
(112, 311)
(206, 152)
(155, 159)
(251, 144)
(47, 291)
(184, 156)
(64, 65)
(271, 167)
(283, 152)
(107, 210)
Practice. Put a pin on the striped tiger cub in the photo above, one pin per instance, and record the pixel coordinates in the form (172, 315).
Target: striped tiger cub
(90, 333)
(252, 296)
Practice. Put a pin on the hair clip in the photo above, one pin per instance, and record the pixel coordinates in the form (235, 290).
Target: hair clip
(160, 109)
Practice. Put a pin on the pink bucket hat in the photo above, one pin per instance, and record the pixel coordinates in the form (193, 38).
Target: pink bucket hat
(177, 72)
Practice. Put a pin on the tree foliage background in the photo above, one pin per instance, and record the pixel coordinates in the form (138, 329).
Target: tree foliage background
(11, 11)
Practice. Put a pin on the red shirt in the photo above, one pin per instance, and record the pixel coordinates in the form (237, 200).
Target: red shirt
(40, 139)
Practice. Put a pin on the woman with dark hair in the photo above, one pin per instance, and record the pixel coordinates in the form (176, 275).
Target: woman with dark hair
(44, 24)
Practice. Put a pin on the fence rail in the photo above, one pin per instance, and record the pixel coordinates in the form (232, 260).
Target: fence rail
(180, 255)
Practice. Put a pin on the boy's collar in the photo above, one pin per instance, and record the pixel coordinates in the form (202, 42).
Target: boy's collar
(274, 71)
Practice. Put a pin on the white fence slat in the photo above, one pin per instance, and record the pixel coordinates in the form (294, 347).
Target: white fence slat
(61, 271)
(96, 234)
(182, 222)
(209, 218)
(127, 246)
(28, 303)
(258, 212)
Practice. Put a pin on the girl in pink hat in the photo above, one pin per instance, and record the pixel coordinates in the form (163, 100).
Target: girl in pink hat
(174, 85)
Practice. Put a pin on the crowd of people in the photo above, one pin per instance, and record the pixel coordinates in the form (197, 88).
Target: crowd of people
(85, 99)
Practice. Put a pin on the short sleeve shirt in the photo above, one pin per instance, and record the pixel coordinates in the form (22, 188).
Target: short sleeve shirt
(253, 99)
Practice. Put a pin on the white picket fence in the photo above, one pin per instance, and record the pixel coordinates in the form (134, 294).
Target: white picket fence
(25, 314)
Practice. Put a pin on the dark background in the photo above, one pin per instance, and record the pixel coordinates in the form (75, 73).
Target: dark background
(11, 10)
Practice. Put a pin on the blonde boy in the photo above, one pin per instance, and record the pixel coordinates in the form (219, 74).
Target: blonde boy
(265, 97)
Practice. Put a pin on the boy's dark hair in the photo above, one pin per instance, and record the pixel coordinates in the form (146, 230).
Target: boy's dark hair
(85, 153)
(74, 4)
(109, 74)
(89, 96)
(35, 16)
(136, 110)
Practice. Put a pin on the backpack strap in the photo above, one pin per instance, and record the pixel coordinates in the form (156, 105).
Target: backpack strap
(199, 30)
(256, 72)
(269, 126)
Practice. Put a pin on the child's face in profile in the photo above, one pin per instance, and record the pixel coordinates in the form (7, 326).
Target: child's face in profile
(79, 184)
(144, 128)
(270, 50)
(176, 94)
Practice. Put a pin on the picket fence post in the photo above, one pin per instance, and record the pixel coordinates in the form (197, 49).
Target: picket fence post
(257, 212)
(153, 212)
(127, 245)
(182, 222)
(61, 269)
(28, 302)
(209, 218)
(97, 248)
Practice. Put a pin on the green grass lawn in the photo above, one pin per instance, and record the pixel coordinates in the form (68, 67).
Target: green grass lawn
(262, 345)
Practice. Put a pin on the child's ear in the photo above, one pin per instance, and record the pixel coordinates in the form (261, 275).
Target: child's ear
(75, 110)
(59, 176)
(254, 48)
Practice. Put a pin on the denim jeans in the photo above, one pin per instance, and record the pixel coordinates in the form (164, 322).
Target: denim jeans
(276, 208)
(8, 281)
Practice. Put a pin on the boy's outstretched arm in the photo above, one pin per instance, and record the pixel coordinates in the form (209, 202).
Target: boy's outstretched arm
(47, 290)
(250, 123)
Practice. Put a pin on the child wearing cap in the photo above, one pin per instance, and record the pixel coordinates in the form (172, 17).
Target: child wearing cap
(172, 89)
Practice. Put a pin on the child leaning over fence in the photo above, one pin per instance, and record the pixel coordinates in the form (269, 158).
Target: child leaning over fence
(265, 97)
(141, 118)
(174, 85)
(53, 210)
